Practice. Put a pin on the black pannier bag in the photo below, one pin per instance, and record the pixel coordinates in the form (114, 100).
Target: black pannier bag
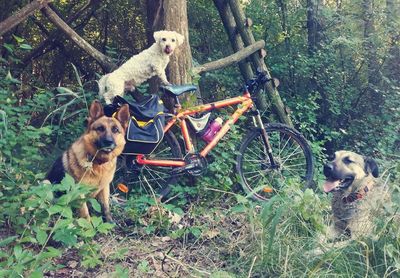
(146, 126)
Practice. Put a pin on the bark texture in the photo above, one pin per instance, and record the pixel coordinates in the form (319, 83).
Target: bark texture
(21, 15)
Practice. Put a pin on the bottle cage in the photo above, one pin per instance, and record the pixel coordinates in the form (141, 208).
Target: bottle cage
(199, 124)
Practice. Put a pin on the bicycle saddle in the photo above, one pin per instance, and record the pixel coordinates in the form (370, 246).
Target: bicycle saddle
(179, 89)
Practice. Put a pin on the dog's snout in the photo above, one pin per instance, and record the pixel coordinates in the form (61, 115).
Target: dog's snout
(328, 169)
(106, 142)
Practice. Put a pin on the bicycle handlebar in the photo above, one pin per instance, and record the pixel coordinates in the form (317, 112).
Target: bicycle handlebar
(260, 78)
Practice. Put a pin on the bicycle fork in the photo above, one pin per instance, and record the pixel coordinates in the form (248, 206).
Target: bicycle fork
(257, 121)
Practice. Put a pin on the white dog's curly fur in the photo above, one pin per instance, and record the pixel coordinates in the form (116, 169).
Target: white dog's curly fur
(142, 66)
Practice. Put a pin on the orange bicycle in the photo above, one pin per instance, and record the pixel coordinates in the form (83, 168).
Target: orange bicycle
(270, 153)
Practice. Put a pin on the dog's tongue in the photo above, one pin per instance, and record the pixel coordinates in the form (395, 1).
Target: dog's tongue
(330, 185)
(168, 50)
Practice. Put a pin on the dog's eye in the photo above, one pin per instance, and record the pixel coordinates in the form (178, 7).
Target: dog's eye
(347, 160)
(173, 40)
(164, 39)
(115, 129)
(100, 128)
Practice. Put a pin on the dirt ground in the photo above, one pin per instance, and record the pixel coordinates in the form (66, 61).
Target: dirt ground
(220, 249)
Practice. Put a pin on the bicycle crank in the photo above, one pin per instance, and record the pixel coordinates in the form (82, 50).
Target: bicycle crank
(195, 165)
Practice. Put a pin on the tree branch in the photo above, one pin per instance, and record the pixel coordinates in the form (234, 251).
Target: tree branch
(12, 21)
(229, 60)
(55, 34)
(102, 59)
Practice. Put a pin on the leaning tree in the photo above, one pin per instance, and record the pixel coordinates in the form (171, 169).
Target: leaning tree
(172, 15)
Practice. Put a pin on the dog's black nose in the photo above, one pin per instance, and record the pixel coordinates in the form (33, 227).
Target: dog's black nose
(106, 143)
(328, 169)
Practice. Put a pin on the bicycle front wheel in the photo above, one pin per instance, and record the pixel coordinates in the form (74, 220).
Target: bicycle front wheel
(292, 156)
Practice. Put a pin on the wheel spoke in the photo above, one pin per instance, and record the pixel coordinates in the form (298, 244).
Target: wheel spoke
(291, 155)
(141, 177)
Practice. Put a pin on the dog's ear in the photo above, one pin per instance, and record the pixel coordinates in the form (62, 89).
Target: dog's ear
(95, 111)
(371, 167)
(179, 38)
(157, 36)
(123, 115)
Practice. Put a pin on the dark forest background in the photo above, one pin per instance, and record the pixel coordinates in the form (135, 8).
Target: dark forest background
(338, 62)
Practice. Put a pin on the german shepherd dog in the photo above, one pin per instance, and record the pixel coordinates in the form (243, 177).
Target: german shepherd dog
(91, 160)
(358, 195)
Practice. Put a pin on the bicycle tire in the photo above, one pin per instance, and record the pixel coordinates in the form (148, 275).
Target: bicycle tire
(291, 152)
(152, 179)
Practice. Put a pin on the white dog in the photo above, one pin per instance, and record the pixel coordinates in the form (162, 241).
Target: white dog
(142, 66)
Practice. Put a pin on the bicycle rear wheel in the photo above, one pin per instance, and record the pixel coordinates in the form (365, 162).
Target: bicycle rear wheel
(152, 179)
(292, 156)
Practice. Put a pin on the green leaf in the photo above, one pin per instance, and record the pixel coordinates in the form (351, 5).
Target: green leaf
(91, 262)
(78, 78)
(7, 241)
(68, 181)
(25, 46)
(105, 227)
(17, 251)
(41, 237)
(12, 79)
(66, 236)
(89, 233)
(67, 213)
(3, 255)
(241, 199)
(120, 272)
(51, 253)
(65, 91)
(84, 223)
(274, 225)
(238, 209)
(63, 224)
(196, 232)
(95, 204)
(54, 209)
(6, 273)
(36, 274)
(178, 211)
(18, 39)
(9, 47)
(29, 239)
(62, 187)
(96, 221)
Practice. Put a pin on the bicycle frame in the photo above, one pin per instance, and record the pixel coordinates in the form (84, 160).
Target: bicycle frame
(244, 103)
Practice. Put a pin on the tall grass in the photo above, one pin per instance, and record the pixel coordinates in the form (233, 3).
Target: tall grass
(291, 226)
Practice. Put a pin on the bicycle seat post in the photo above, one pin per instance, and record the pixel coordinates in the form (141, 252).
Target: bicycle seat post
(177, 104)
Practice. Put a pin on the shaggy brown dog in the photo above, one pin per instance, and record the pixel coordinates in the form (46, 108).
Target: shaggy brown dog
(357, 194)
(92, 159)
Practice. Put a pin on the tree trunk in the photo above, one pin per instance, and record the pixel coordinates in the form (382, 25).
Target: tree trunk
(313, 26)
(21, 15)
(288, 45)
(234, 37)
(171, 15)
(248, 39)
(392, 62)
(369, 46)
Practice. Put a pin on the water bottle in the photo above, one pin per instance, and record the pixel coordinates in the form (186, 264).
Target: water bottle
(212, 129)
